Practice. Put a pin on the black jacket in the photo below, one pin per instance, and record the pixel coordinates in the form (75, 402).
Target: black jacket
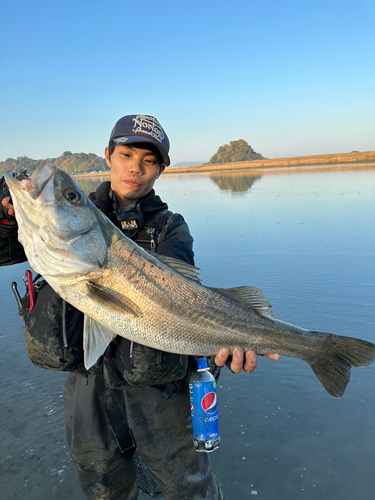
(125, 362)
(173, 238)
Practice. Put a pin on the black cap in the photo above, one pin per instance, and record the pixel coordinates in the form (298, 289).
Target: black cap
(141, 128)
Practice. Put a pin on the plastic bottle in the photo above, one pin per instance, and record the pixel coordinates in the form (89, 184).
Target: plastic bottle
(203, 407)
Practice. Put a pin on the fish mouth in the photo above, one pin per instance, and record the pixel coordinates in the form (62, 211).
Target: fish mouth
(35, 184)
(40, 179)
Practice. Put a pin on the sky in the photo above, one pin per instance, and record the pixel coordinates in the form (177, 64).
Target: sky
(292, 78)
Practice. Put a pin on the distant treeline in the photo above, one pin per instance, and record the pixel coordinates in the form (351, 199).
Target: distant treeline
(73, 163)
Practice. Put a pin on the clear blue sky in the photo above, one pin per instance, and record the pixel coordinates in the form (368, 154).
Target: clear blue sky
(291, 77)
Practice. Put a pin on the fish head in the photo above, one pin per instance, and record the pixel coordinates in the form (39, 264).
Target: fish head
(59, 227)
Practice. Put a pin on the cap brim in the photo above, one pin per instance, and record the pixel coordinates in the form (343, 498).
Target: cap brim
(133, 139)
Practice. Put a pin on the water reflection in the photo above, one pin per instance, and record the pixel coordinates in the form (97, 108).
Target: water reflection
(89, 184)
(238, 182)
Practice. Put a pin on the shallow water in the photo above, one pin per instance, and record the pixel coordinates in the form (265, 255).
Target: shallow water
(307, 240)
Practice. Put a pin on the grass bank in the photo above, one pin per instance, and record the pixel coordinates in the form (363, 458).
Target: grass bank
(298, 161)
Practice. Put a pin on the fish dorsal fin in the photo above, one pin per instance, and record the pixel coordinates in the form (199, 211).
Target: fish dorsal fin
(96, 339)
(250, 297)
(187, 270)
(116, 301)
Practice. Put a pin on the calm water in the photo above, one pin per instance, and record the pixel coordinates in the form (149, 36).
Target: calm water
(307, 240)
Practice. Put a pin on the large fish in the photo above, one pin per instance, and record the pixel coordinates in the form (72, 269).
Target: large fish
(153, 300)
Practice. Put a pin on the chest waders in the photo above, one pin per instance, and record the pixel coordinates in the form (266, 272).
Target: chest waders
(145, 238)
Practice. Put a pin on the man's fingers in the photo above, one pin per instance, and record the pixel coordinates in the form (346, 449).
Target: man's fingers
(251, 361)
(6, 204)
(238, 360)
(221, 357)
(274, 357)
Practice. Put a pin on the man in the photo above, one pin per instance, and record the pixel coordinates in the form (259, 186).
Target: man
(136, 397)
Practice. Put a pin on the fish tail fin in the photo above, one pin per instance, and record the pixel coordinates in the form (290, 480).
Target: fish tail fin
(333, 365)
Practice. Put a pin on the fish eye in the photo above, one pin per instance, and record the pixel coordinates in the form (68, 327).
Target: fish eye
(72, 196)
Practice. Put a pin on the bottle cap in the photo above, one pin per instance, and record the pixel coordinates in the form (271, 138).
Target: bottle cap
(202, 363)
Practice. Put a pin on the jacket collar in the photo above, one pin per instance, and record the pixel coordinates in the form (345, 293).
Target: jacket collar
(103, 199)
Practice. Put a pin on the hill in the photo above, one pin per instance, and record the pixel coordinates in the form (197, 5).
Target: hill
(235, 151)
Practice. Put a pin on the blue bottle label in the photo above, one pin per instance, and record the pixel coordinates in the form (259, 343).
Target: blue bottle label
(204, 411)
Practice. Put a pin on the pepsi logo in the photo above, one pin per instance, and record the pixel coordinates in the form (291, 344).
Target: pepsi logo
(209, 403)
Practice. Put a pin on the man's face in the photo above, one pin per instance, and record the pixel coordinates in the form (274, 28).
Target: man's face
(133, 172)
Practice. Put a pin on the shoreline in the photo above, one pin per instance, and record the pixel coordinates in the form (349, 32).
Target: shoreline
(297, 161)
(321, 161)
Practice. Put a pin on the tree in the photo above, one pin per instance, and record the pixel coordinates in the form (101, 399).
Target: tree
(235, 151)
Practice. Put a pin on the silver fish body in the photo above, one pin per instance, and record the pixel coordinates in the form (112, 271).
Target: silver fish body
(156, 301)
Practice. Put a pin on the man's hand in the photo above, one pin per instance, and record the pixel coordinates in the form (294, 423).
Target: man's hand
(247, 361)
(6, 204)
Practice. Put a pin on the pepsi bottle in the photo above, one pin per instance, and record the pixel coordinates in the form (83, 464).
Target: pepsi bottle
(203, 408)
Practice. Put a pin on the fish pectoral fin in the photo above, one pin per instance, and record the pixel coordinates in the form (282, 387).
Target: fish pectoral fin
(116, 301)
(96, 339)
(250, 297)
(186, 270)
